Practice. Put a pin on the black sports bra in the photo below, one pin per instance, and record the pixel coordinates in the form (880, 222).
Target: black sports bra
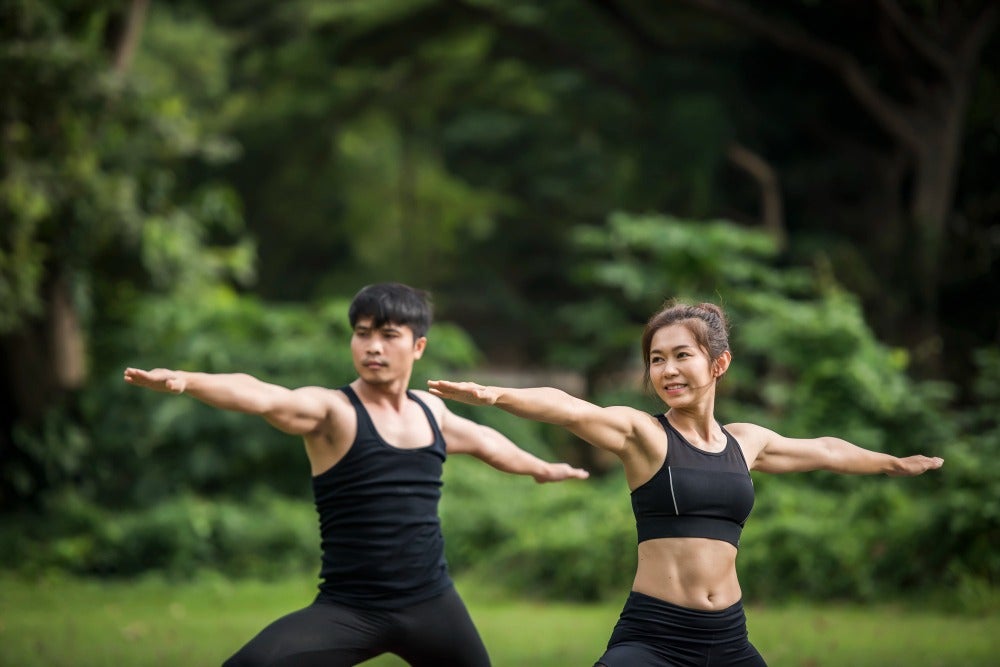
(695, 493)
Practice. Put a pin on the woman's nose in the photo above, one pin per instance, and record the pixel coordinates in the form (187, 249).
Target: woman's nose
(667, 368)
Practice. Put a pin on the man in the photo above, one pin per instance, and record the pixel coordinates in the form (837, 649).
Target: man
(376, 451)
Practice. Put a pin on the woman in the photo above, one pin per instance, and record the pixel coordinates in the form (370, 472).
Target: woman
(690, 485)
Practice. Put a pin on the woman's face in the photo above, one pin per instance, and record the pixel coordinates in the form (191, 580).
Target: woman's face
(679, 368)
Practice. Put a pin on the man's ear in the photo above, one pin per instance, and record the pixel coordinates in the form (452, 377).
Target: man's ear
(419, 346)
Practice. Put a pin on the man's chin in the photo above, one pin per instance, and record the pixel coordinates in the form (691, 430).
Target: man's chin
(375, 377)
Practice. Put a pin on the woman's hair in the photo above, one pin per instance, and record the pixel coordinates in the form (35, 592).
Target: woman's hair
(393, 302)
(706, 321)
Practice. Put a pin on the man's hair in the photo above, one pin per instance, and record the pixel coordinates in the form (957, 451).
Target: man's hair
(393, 302)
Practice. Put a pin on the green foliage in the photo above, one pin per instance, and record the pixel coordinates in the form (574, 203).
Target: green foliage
(461, 143)
(404, 214)
(89, 171)
(261, 534)
(967, 518)
(571, 541)
(807, 542)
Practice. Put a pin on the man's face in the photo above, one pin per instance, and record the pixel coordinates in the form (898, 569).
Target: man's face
(386, 353)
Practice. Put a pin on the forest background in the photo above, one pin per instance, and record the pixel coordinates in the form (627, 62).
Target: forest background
(205, 185)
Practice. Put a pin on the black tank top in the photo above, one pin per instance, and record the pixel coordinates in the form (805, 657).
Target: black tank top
(695, 493)
(378, 519)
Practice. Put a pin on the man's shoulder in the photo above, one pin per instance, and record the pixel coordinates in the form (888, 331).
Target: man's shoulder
(434, 403)
(424, 395)
(340, 419)
(324, 392)
(334, 398)
(430, 399)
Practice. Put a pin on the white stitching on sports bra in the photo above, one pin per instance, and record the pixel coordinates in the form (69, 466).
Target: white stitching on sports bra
(670, 476)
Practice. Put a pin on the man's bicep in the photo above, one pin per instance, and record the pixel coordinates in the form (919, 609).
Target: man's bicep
(302, 411)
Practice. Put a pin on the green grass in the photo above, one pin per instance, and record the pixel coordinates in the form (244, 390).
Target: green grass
(63, 622)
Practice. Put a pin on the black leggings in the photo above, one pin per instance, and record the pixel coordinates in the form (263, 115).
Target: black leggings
(432, 633)
(655, 633)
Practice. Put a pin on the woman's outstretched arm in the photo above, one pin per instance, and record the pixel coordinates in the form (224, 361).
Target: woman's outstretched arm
(774, 453)
(613, 428)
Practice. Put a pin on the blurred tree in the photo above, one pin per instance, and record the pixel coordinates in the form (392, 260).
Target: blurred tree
(93, 203)
(912, 69)
(457, 143)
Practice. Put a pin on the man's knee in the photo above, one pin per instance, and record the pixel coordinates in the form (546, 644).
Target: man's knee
(241, 659)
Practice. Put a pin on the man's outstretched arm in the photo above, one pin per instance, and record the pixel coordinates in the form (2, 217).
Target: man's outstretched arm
(294, 411)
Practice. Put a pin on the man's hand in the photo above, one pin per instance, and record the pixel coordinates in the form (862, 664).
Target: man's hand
(557, 472)
(159, 379)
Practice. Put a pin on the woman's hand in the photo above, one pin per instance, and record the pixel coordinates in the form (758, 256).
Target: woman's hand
(915, 465)
(464, 392)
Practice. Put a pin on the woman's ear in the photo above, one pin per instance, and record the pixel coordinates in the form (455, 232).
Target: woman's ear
(721, 364)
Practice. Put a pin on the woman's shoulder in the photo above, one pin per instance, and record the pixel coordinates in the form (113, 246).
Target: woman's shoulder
(747, 433)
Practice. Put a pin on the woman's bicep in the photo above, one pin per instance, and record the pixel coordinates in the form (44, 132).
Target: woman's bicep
(779, 454)
(612, 428)
(464, 436)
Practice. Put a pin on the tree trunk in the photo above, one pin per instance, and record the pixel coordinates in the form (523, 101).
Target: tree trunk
(772, 216)
(127, 40)
(46, 357)
(43, 360)
(935, 166)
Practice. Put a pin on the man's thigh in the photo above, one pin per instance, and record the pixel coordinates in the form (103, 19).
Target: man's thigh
(440, 632)
(322, 634)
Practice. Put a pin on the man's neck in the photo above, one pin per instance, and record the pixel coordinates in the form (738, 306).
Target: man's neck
(384, 394)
